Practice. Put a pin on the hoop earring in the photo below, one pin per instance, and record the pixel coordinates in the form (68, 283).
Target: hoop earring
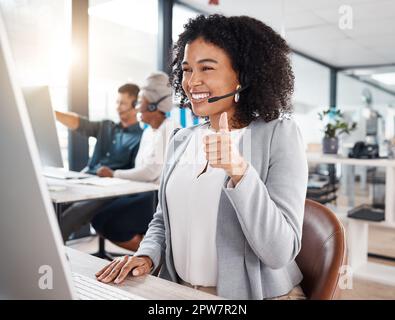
(237, 95)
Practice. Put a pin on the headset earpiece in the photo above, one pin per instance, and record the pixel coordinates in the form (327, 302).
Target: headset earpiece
(154, 105)
(243, 80)
(237, 95)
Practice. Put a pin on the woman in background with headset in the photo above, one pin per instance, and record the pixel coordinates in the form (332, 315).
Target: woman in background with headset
(126, 219)
(231, 200)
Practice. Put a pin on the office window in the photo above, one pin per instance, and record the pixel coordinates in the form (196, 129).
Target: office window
(39, 33)
(122, 48)
(310, 97)
(351, 95)
(181, 15)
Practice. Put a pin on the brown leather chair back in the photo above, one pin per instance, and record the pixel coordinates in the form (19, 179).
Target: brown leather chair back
(323, 252)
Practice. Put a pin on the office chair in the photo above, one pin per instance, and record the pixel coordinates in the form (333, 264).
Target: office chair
(323, 252)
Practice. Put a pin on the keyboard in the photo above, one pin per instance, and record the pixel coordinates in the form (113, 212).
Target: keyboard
(91, 289)
(61, 173)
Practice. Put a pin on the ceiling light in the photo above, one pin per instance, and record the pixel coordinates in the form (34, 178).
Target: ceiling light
(386, 78)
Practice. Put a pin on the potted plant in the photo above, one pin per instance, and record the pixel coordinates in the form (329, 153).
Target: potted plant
(334, 126)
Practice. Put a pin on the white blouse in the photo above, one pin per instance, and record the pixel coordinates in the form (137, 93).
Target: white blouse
(193, 207)
(151, 155)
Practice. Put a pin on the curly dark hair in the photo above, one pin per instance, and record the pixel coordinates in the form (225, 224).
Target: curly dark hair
(258, 55)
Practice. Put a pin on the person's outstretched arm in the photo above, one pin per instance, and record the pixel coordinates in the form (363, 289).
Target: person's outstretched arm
(70, 119)
(81, 124)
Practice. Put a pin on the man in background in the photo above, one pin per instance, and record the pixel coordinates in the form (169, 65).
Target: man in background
(116, 147)
(154, 101)
(125, 221)
(116, 143)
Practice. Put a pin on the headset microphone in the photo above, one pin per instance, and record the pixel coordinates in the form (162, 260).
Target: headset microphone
(215, 99)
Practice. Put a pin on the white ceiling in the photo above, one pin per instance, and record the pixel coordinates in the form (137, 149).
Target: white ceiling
(311, 27)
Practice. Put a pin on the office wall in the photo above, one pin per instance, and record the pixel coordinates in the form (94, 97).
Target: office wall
(311, 96)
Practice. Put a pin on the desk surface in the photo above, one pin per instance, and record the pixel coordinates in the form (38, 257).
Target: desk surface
(316, 157)
(78, 192)
(149, 287)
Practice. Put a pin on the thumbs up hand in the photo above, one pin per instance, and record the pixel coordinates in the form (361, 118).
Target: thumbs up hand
(221, 152)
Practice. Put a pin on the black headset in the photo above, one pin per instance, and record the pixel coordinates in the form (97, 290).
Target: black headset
(153, 106)
(240, 88)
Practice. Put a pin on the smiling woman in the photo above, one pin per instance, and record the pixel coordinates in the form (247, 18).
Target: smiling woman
(251, 51)
(204, 67)
(231, 199)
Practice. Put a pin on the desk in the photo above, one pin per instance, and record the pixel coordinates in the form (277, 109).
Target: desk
(389, 166)
(149, 287)
(358, 230)
(80, 192)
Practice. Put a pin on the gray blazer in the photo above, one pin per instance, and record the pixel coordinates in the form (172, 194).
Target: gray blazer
(259, 226)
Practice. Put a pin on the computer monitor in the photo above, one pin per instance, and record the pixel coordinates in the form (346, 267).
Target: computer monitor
(30, 241)
(34, 263)
(42, 119)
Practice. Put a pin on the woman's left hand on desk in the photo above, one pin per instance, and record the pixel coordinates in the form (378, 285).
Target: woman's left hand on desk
(121, 267)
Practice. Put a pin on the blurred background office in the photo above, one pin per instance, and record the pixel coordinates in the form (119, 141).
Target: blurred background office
(333, 67)
(343, 59)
